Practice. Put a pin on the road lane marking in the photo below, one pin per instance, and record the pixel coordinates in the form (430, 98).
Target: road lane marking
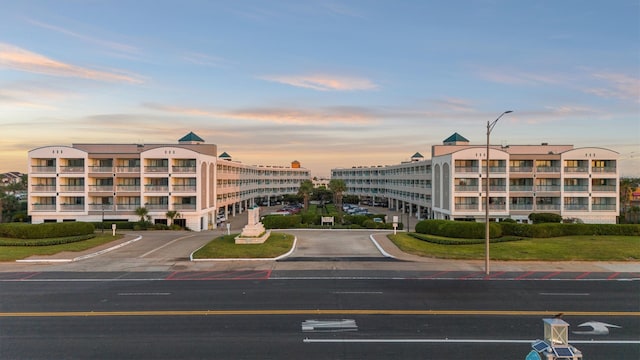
(564, 294)
(145, 294)
(358, 292)
(460, 341)
(315, 312)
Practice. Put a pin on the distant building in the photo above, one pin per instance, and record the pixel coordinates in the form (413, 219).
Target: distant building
(12, 177)
(572, 182)
(91, 182)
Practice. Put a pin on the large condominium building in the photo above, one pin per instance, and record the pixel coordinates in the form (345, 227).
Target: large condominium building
(579, 183)
(94, 182)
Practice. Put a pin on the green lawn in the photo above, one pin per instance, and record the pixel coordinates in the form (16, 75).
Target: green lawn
(579, 248)
(224, 247)
(12, 253)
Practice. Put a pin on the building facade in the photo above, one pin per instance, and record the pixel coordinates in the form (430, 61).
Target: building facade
(95, 182)
(576, 183)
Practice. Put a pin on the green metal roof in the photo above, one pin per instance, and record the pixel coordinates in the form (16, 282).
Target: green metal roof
(224, 155)
(191, 137)
(456, 138)
(417, 155)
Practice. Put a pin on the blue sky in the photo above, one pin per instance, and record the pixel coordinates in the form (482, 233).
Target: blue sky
(327, 83)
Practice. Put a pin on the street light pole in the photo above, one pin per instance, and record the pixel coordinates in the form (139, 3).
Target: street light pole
(490, 126)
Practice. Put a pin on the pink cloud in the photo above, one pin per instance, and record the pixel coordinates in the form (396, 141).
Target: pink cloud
(322, 82)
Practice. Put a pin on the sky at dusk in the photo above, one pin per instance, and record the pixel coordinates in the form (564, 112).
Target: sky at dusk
(328, 83)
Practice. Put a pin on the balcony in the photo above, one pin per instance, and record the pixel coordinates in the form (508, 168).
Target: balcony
(156, 169)
(495, 206)
(157, 207)
(576, 207)
(43, 188)
(466, 169)
(548, 207)
(604, 188)
(466, 206)
(526, 188)
(547, 188)
(101, 169)
(184, 207)
(36, 169)
(576, 188)
(603, 207)
(72, 207)
(43, 207)
(184, 188)
(466, 188)
(128, 188)
(72, 169)
(521, 207)
(100, 207)
(548, 169)
(127, 207)
(495, 169)
(603, 169)
(521, 169)
(184, 169)
(156, 188)
(497, 188)
(576, 169)
(103, 188)
(128, 169)
(71, 188)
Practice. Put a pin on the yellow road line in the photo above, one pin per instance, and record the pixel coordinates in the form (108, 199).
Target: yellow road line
(314, 312)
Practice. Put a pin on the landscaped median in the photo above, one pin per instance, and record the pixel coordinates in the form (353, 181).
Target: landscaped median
(224, 247)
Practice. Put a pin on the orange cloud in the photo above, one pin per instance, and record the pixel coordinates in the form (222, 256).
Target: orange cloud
(323, 82)
(16, 58)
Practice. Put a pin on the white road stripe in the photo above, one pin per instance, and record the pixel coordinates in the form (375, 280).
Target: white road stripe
(165, 245)
(145, 294)
(461, 341)
(358, 292)
(564, 294)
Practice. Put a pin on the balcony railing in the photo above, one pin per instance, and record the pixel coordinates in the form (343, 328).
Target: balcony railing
(71, 207)
(72, 169)
(603, 207)
(101, 188)
(184, 169)
(71, 188)
(43, 207)
(101, 169)
(547, 187)
(604, 188)
(574, 188)
(157, 207)
(547, 206)
(576, 207)
(466, 169)
(466, 206)
(466, 188)
(494, 206)
(576, 169)
(128, 169)
(184, 188)
(128, 188)
(521, 169)
(495, 169)
(43, 169)
(518, 207)
(127, 207)
(100, 207)
(43, 188)
(521, 187)
(603, 169)
(548, 169)
(156, 169)
(184, 207)
(497, 188)
(156, 188)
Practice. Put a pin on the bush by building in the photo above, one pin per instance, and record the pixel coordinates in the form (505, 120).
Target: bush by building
(45, 230)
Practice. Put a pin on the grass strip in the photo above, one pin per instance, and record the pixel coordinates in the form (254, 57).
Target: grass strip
(12, 253)
(566, 248)
(224, 247)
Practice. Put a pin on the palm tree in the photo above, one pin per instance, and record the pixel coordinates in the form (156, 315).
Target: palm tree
(142, 212)
(171, 215)
(338, 186)
(626, 190)
(306, 188)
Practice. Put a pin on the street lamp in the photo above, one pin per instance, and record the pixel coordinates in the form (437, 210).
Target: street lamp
(490, 126)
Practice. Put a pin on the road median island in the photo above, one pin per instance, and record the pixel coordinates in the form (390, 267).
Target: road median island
(225, 248)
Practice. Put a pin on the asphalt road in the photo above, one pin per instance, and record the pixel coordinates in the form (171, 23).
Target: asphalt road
(345, 318)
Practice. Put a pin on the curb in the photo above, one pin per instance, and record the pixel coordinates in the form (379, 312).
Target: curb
(293, 247)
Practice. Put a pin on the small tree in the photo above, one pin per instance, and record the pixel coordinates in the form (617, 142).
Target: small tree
(143, 213)
(338, 186)
(172, 215)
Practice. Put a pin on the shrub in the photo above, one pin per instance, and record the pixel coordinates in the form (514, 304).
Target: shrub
(45, 230)
(281, 222)
(539, 218)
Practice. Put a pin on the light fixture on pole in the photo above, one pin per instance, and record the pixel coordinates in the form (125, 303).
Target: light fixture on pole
(490, 126)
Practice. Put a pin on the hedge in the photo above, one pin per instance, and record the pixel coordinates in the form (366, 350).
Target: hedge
(45, 242)
(432, 240)
(458, 229)
(474, 230)
(45, 230)
(281, 222)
